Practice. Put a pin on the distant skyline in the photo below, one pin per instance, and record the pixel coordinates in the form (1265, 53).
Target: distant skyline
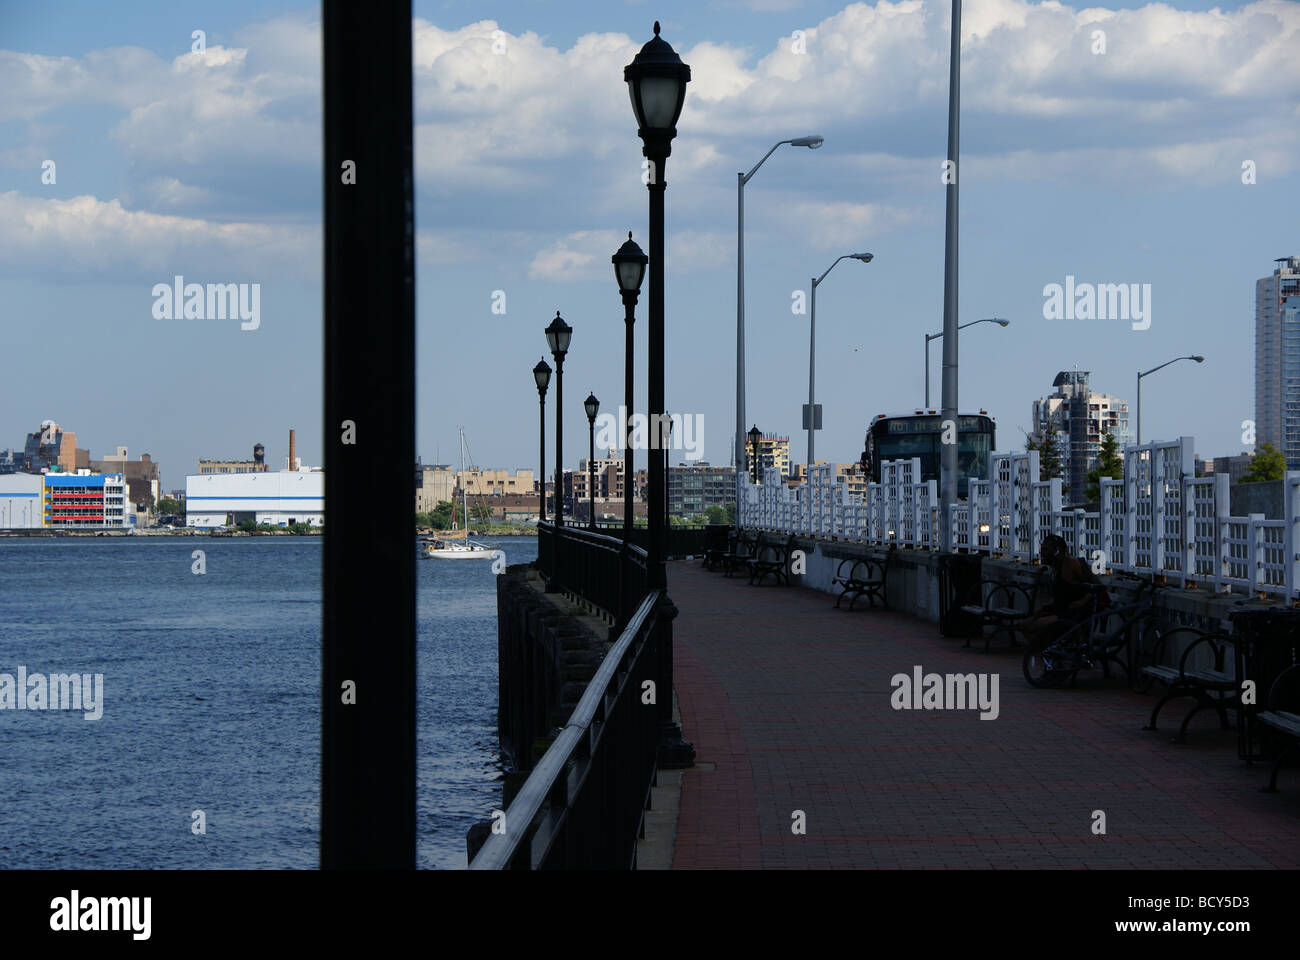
(1123, 166)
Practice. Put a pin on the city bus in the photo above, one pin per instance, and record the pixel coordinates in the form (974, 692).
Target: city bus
(902, 436)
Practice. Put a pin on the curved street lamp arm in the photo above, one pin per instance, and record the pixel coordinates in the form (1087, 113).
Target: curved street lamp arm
(745, 179)
(1163, 365)
(818, 281)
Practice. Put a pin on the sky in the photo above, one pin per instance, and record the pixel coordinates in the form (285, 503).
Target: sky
(1124, 164)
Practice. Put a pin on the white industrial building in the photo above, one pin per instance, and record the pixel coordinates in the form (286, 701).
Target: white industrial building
(279, 498)
(21, 503)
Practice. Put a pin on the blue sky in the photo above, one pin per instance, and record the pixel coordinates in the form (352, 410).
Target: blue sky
(1118, 167)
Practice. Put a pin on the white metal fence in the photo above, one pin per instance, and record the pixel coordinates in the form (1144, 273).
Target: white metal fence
(1158, 519)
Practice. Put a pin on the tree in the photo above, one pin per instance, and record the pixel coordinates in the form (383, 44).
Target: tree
(169, 507)
(715, 514)
(1049, 456)
(481, 512)
(1267, 464)
(1109, 464)
(443, 514)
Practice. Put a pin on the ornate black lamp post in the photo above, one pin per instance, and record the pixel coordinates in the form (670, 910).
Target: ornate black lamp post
(656, 82)
(542, 376)
(558, 335)
(592, 406)
(629, 270)
(755, 435)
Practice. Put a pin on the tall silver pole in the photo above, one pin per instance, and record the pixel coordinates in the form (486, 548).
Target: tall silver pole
(1139, 410)
(740, 338)
(812, 362)
(948, 458)
(927, 371)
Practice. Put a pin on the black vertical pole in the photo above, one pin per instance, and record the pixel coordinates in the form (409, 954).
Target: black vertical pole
(559, 449)
(655, 381)
(629, 319)
(591, 474)
(541, 457)
(368, 575)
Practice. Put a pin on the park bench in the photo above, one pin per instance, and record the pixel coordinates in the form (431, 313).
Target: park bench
(717, 545)
(1212, 683)
(1007, 605)
(1284, 723)
(771, 558)
(863, 577)
(740, 551)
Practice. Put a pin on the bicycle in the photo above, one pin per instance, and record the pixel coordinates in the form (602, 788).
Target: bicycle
(1097, 640)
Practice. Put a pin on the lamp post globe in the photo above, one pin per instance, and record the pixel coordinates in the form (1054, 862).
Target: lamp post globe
(656, 84)
(629, 268)
(558, 336)
(542, 377)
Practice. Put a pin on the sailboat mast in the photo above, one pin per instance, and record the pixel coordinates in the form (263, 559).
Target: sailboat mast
(464, 503)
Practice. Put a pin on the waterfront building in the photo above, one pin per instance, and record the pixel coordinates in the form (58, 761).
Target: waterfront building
(50, 447)
(21, 501)
(478, 482)
(694, 487)
(434, 484)
(84, 499)
(773, 451)
(279, 498)
(1234, 466)
(1277, 360)
(142, 476)
(1080, 419)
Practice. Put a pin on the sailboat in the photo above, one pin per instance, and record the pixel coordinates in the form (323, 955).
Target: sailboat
(454, 544)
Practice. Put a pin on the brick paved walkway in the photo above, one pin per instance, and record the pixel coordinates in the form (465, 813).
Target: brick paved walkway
(787, 701)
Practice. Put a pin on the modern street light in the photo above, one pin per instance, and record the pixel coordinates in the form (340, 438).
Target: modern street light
(936, 336)
(810, 416)
(542, 377)
(812, 143)
(1147, 374)
(558, 336)
(656, 82)
(755, 435)
(629, 270)
(592, 406)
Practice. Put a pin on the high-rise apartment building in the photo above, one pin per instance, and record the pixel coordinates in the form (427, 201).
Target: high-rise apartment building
(1277, 360)
(773, 451)
(1080, 419)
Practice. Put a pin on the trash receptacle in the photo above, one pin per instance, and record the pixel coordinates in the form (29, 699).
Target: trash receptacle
(1268, 643)
(959, 584)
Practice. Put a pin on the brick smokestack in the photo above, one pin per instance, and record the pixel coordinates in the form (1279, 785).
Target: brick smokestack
(291, 457)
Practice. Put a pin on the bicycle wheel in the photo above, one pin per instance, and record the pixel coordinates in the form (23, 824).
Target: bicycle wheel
(1040, 667)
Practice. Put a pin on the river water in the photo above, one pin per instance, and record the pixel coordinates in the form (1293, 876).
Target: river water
(211, 702)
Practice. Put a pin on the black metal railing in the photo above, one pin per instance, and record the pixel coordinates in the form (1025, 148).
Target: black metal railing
(583, 803)
(593, 566)
(681, 541)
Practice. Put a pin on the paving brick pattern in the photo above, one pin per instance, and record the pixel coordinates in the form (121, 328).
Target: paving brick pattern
(787, 701)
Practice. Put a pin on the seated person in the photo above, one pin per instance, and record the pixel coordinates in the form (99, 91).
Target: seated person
(1072, 601)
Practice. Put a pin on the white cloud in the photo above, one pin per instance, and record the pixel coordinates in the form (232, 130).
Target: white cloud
(87, 238)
